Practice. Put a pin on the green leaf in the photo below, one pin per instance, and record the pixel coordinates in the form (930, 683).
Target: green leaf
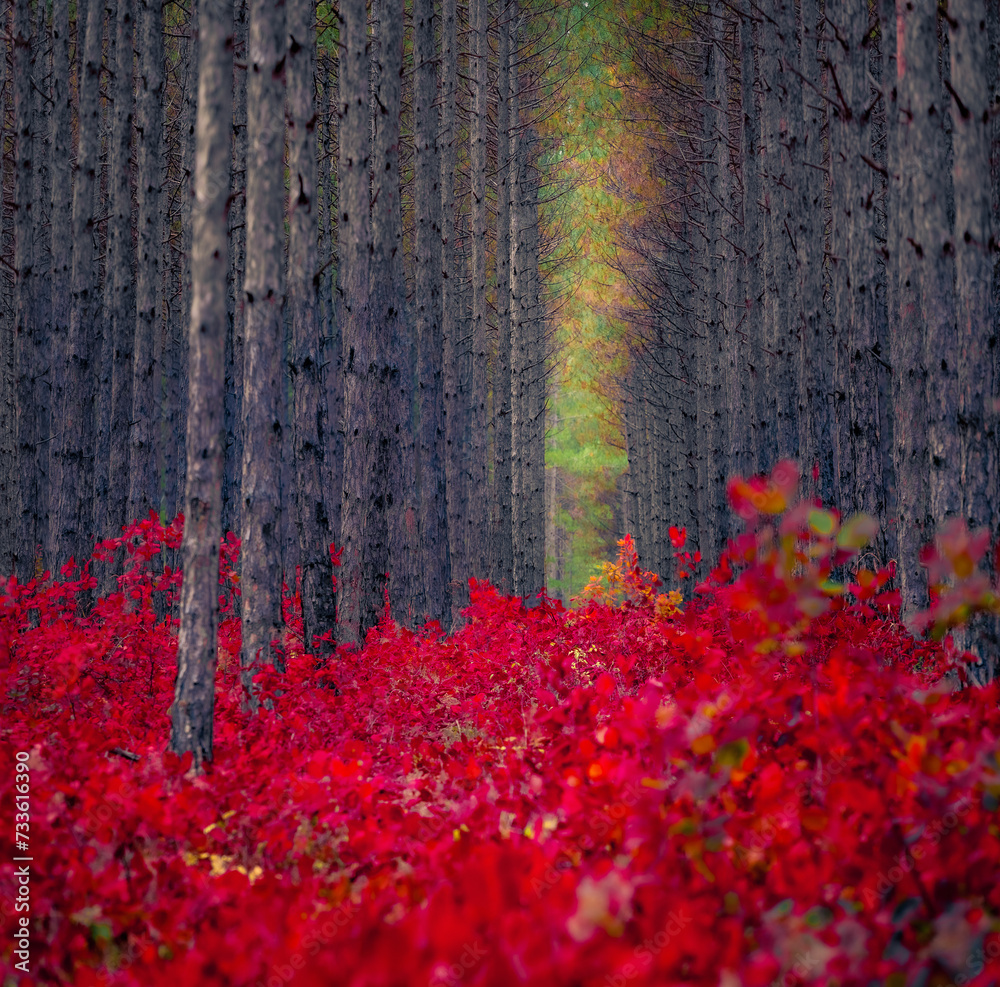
(822, 522)
(732, 755)
(818, 917)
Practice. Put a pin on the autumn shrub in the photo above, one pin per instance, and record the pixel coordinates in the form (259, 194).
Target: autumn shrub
(768, 785)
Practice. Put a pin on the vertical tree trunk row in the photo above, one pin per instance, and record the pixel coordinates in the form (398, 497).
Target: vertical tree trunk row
(323, 411)
(857, 333)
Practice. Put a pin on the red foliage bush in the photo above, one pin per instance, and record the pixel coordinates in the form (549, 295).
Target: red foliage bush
(768, 787)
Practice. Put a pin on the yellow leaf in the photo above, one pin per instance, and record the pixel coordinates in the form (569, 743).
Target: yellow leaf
(703, 744)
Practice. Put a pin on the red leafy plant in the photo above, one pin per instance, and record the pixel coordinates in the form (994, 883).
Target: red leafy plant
(755, 788)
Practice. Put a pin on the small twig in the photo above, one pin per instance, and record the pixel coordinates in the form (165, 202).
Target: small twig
(875, 166)
(121, 752)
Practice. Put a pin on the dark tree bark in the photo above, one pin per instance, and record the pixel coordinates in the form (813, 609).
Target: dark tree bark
(781, 114)
(60, 165)
(260, 577)
(843, 165)
(26, 288)
(519, 316)
(176, 350)
(534, 469)
(8, 402)
(42, 267)
(815, 355)
(143, 493)
(859, 426)
(916, 27)
(427, 305)
(889, 332)
(477, 520)
(711, 332)
(754, 385)
(975, 250)
(194, 691)
(866, 364)
(502, 559)
(100, 496)
(388, 307)
(364, 532)
(333, 350)
(121, 268)
(975, 245)
(934, 247)
(309, 417)
(454, 330)
(231, 512)
(73, 520)
(739, 390)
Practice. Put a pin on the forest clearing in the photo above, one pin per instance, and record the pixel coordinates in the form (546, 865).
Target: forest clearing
(500, 493)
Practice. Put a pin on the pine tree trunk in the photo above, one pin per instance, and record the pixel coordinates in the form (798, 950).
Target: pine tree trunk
(868, 494)
(781, 111)
(42, 197)
(26, 327)
(182, 301)
(121, 268)
(454, 332)
(60, 164)
(935, 249)
(908, 352)
(73, 476)
(231, 496)
(143, 493)
(739, 392)
(975, 240)
(100, 496)
(333, 350)
(500, 522)
(8, 402)
(260, 577)
(815, 354)
(478, 498)
(889, 376)
(993, 81)
(519, 313)
(388, 306)
(711, 333)
(534, 410)
(845, 147)
(361, 581)
(313, 521)
(755, 377)
(427, 303)
(194, 691)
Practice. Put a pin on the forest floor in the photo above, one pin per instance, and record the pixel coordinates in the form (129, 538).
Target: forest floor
(770, 785)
